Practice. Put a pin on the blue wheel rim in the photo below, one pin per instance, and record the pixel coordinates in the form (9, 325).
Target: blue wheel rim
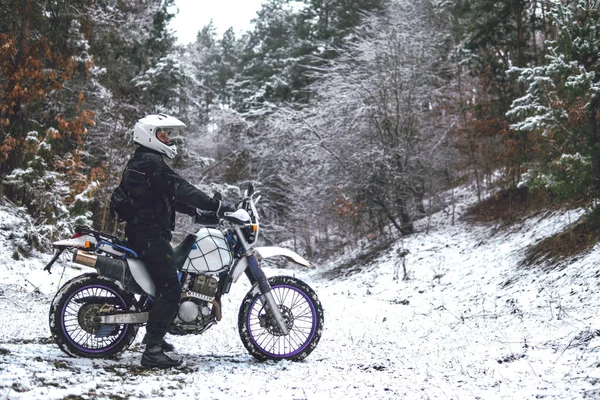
(301, 333)
(82, 340)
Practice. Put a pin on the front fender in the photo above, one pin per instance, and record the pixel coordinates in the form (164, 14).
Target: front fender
(271, 251)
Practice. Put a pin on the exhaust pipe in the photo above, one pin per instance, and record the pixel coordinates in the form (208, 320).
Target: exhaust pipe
(104, 265)
(85, 258)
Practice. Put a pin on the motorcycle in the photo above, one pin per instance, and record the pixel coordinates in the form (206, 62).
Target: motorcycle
(97, 315)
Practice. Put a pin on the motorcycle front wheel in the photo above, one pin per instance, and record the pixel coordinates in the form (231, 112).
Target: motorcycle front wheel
(301, 311)
(75, 321)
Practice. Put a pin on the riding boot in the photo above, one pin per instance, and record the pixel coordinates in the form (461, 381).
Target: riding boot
(155, 357)
(166, 346)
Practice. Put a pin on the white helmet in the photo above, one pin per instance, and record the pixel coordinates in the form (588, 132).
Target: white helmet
(145, 130)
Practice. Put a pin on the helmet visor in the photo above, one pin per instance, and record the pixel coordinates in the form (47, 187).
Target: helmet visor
(164, 135)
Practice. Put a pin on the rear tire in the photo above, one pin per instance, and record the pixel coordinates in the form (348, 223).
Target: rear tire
(74, 320)
(302, 312)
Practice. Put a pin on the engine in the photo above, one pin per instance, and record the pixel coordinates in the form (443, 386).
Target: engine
(205, 285)
(198, 309)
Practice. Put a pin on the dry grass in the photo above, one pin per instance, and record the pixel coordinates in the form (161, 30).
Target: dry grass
(552, 251)
(511, 206)
(359, 261)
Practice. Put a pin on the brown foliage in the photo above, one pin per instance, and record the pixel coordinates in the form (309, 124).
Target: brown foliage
(77, 127)
(27, 78)
(29, 71)
(346, 208)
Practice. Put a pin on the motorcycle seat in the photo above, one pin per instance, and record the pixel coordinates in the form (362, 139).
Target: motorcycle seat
(181, 252)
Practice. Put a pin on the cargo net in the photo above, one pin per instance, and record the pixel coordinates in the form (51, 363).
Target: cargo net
(214, 252)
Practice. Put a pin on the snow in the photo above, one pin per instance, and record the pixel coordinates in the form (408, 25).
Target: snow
(470, 323)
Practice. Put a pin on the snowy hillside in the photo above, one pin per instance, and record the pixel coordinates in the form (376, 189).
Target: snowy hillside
(468, 324)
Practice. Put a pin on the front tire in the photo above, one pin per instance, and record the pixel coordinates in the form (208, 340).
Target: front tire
(302, 312)
(74, 320)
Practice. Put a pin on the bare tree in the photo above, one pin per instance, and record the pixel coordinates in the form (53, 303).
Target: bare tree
(379, 115)
(371, 144)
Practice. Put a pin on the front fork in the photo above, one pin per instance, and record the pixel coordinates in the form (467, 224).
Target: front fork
(257, 275)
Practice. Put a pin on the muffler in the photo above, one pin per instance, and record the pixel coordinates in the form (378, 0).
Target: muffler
(85, 258)
(106, 265)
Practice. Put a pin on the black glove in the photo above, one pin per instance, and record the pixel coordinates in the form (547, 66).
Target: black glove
(207, 218)
(224, 207)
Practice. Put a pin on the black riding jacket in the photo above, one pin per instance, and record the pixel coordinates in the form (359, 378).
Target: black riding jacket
(158, 192)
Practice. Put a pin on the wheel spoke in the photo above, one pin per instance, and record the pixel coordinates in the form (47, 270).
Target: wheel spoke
(298, 315)
(79, 318)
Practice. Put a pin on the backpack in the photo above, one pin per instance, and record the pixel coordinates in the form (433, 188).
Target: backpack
(122, 204)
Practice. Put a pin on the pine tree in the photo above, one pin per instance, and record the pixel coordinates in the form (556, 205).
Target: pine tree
(72, 79)
(561, 105)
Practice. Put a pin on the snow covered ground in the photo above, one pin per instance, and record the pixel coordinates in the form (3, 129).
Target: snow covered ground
(468, 324)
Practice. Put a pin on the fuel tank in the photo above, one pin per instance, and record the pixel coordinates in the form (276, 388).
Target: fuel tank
(210, 253)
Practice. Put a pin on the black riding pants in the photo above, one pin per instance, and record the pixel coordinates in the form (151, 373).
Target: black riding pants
(154, 248)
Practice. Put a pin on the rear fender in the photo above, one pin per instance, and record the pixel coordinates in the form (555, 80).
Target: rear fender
(78, 242)
(62, 245)
(105, 246)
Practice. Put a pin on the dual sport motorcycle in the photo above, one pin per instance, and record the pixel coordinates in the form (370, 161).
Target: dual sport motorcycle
(97, 315)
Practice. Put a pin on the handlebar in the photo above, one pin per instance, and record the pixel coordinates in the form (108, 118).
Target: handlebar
(244, 221)
(207, 218)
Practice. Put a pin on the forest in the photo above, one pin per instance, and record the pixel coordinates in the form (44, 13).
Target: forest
(350, 116)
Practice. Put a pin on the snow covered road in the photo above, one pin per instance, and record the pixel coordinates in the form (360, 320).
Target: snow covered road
(469, 324)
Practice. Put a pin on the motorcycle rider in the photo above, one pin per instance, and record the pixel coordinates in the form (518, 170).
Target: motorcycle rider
(156, 192)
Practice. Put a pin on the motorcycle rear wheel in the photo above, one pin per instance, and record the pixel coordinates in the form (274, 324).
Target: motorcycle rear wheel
(74, 319)
(302, 312)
